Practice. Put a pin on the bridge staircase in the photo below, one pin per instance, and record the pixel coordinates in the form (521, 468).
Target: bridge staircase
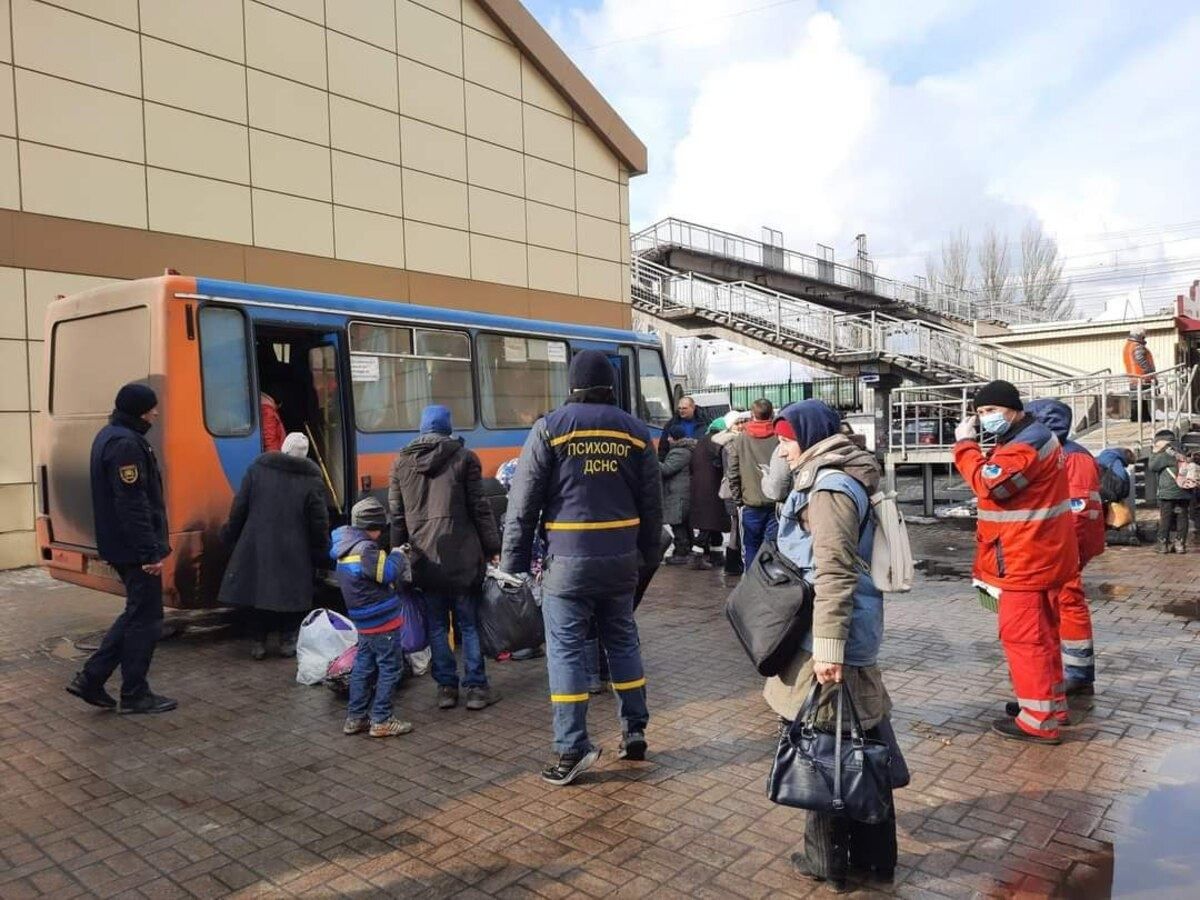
(721, 255)
(854, 344)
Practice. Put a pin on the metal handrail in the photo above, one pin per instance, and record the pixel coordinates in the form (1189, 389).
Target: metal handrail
(917, 344)
(672, 232)
(940, 407)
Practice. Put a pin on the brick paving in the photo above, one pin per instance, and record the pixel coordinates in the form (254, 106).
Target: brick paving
(250, 790)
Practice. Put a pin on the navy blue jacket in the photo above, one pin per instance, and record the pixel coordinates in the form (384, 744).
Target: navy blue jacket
(588, 472)
(369, 578)
(127, 494)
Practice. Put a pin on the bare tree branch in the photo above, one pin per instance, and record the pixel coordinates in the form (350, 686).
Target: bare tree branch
(996, 282)
(691, 361)
(952, 274)
(1043, 286)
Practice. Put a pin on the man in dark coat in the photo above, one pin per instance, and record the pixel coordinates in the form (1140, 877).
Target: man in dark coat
(439, 508)
(279, 531)
(689, 417)
(131, 536)
(588, 479)
(708, 515)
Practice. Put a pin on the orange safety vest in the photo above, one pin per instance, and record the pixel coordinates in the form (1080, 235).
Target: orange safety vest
(1083, 482)
(1025, 537)
(1139, 361)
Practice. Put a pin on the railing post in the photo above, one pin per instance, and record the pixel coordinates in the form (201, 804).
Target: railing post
(778, 318)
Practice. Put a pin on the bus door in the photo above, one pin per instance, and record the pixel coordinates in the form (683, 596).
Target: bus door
(302, 369)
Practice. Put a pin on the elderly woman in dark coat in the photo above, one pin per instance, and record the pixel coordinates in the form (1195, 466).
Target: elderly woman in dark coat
(709, 516)
(279, 531)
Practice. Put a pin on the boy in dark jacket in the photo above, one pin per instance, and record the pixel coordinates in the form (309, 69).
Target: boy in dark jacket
(369, 581)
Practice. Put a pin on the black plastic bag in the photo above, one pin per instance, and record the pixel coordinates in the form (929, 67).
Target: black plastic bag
(510, 617)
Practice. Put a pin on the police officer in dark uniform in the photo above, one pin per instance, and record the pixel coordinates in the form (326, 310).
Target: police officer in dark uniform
(589, 474)
(131, 535)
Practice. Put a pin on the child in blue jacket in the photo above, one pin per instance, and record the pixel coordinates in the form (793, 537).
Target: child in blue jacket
(370, 580)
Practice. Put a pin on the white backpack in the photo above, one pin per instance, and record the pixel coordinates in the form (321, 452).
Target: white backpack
(891, 567)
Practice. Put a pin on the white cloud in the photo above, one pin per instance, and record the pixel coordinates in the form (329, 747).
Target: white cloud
(870, 118)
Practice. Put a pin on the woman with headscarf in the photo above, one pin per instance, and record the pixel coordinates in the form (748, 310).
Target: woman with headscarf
(825, 527)
(278, 529)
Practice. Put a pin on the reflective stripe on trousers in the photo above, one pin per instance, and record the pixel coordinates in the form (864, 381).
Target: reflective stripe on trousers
(1029, 634)
(568, 622)
(1075, 632)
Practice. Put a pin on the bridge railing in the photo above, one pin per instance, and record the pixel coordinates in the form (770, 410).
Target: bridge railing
(923, 418)
(931, 347)
(727, 245)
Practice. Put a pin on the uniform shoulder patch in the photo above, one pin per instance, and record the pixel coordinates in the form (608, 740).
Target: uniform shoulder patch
(129, 474)
(991, 470)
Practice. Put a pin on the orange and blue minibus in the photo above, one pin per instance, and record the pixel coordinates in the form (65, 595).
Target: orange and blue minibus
(353, 374)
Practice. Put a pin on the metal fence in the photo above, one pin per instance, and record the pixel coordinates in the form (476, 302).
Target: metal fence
(840, 393)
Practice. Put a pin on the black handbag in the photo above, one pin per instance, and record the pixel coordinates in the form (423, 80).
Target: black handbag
(828, 773)
(770, 609)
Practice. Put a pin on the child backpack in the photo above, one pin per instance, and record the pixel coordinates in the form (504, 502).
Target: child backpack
(891, 565)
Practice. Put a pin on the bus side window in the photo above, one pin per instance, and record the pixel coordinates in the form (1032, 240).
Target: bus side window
(654, 396)
(225, 369)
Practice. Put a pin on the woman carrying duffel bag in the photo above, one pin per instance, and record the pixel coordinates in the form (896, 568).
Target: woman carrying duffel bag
(826, 528)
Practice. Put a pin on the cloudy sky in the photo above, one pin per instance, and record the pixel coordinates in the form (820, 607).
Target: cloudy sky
(909, 120)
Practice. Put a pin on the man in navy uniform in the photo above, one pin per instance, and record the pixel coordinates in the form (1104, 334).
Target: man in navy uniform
(589, 475)
(131, 535)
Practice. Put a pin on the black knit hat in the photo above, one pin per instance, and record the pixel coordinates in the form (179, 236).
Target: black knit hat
(591, 369)
(136, 399)
(998, 393)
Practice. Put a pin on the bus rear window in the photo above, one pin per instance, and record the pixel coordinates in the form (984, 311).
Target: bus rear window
(94, 356)
(225, 368)
(520, 379)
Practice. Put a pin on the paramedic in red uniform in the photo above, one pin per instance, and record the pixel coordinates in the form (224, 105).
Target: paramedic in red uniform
(1087, 510)
(1025, 550)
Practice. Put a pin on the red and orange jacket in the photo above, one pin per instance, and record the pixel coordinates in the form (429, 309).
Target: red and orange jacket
(1083, 481)
(1139, 362)
(1025, 537)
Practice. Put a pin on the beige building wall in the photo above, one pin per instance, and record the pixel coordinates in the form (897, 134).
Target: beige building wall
(408, 135)
(1093, 346)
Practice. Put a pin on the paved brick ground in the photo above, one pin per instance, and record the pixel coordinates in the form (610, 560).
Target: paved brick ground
(250, 789)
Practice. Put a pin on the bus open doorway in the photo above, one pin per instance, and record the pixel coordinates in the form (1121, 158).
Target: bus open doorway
(301, 370)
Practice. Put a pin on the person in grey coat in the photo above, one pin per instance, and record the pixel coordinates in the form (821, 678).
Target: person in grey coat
(677, 493)
(279, 530)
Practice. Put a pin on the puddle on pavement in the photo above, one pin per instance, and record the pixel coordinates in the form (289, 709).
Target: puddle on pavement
(1112, 591)
(936, 570)
(1185, 609)
(1159, 855)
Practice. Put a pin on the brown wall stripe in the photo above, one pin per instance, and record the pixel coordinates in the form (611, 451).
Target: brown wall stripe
(32, 241)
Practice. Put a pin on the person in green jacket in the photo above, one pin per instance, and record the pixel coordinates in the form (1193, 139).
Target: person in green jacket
(1174, 500)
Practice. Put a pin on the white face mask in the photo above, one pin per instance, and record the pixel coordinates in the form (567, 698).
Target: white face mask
(994, 423)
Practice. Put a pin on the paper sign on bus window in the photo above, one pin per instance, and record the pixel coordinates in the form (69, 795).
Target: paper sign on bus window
(364, 368)
(514, 350)
(556, 353)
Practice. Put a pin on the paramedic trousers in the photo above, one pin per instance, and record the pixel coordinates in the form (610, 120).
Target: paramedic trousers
(1075, 633)
(130, 640)
(568, 620)
(1029, 635)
